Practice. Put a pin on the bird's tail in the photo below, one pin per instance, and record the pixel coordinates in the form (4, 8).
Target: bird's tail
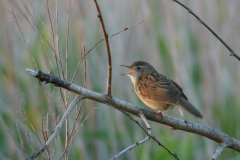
(189, 107)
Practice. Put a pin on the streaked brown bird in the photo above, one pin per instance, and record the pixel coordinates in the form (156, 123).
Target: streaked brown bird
(156, 90)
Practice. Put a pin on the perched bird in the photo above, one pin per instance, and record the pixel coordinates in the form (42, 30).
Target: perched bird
(156, 90)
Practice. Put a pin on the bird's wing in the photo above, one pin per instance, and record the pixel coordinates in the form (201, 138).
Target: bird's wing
(166, 91)
(160, 89)
(180, 88)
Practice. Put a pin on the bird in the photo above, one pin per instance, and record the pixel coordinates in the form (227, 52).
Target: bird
(157, 91)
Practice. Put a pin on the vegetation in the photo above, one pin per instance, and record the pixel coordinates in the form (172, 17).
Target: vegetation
(171, 40)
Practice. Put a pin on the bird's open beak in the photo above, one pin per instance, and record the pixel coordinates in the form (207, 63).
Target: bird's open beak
(132, 70)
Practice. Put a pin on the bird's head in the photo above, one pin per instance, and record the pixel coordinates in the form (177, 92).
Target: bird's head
(139, 69)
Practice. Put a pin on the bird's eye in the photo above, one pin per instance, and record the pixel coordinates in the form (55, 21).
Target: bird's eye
(138, 68)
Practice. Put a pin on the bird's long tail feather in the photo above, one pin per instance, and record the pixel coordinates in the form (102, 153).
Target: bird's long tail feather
(189, 107)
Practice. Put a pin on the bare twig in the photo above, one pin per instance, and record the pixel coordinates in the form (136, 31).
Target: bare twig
(45, 134)
(232, 53)
(80, 107)
(109, 80)
(57, 39)
(138, 143)
(66, 78)
(226, 143)
(159, 143)
(70, 141)
(129, 27)
(53, 39)
(40, 40)
(67, 40)
(58, 127)
(125, 29)
(24, 117)
(20, 136)
(14, 5)
(42, 24)
(19, 145)
(174, 123)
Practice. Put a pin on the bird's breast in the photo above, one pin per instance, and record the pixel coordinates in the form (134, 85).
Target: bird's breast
(147, 98)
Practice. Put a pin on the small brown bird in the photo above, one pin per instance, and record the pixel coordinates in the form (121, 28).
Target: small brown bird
(156, 90)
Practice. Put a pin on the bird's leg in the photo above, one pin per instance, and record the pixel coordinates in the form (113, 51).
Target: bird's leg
(161, 113)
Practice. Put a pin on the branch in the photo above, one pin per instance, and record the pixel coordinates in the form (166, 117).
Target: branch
(58, 127)
(137, 143)
(232, 53)
(159, 143)
(109, 81)
(226, 143)
(174, 123)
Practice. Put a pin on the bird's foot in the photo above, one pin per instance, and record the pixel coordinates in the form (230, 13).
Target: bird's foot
(161, 113)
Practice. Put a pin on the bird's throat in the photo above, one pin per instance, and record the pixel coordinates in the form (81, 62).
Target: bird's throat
(133, 78)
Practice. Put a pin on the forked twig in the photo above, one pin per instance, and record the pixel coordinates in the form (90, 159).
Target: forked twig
(226, 143)
(232, 53)
(109, 80)
(137, 143)
(159, 143)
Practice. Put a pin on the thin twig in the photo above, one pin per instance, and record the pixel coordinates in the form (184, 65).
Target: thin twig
(130, 27)
(45, 135)
(57, 39)
(19, 145)
(125, 29)
(39, 31)
(70, 141)
(55, 52)
(159, 143)
(53, 39)
(20, 136)
(49, 99)
(24, 117)
(58, 127)
(226, 143)
(67, 40)
(138, 143)
(42, 24)
(14, 5)
(109, 80)
(232, 53)
(80, 107)
(60, 62)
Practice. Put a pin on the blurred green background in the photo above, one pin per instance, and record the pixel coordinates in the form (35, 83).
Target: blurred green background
(171, 40)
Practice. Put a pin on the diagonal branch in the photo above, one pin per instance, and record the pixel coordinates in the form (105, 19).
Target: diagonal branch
(174, 123)
(58, 127)
(137, 143)
(232, 53)
(109, 80)
(159, 143)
